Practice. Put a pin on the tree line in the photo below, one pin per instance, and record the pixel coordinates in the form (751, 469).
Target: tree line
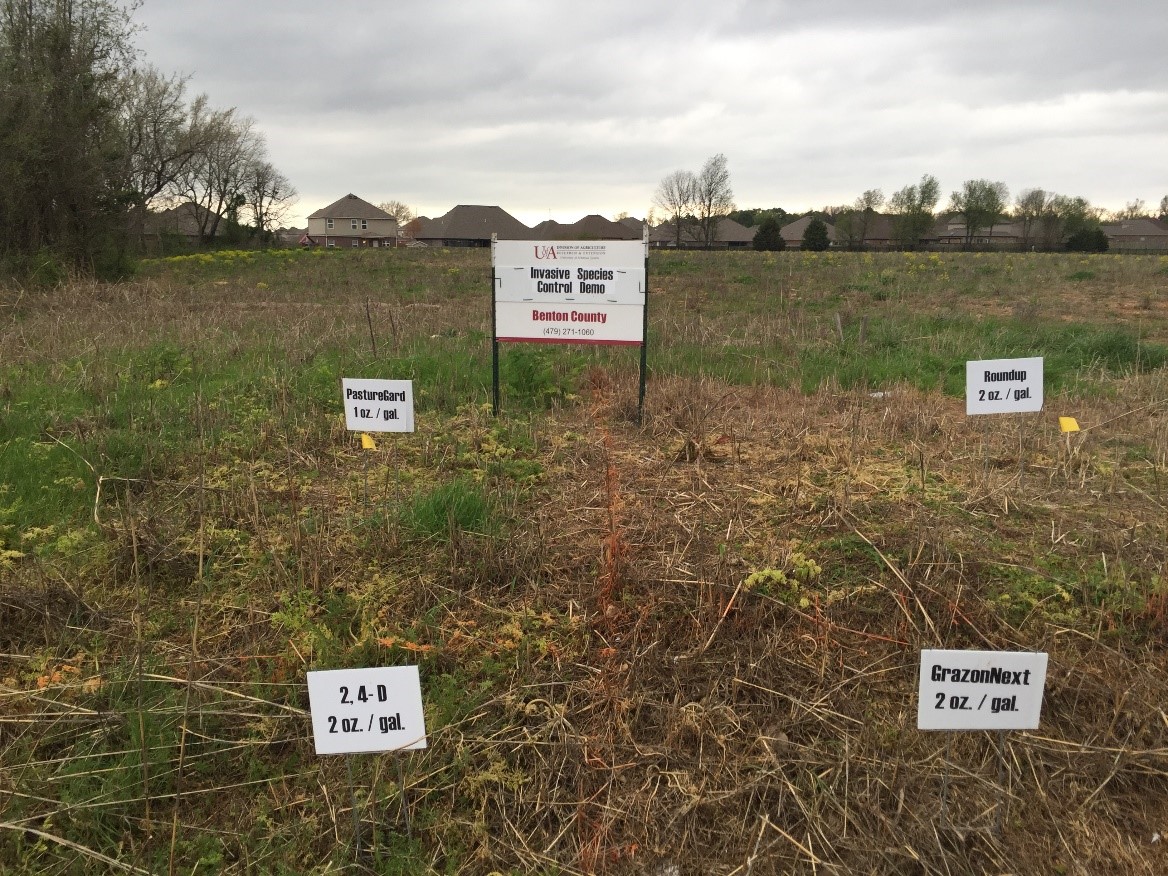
(92, 138)
(694, 203)
(1047, 220)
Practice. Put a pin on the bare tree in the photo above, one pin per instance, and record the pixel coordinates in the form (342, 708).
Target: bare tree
(400, 211)
(159, 140)
(90, 138)
(1052, 221)
(833, 212)
(1033, 208)
(1164, 209)
(867, 205)
(217, 177)
(714, 197)
(1136, 209)
(676, 195)
(269, 196)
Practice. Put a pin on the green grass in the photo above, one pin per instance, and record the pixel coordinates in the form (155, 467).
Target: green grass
(926, 352)
(223, 370)
(137, 407)
(460, 506)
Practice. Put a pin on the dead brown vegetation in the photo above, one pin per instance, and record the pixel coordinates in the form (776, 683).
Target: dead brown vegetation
(607, 691)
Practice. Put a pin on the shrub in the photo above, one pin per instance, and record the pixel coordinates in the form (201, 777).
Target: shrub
(1088, 240)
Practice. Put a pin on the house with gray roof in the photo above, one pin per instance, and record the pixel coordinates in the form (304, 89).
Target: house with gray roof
(351, 222)
(876, 231)
(550, 229)
(596, 227)
(792, 233)
(182, 224)
(591, 227)
(1137, 235)
(949, 234)
(733, 235)
(471, 225)
(728, 235)
(290, 236)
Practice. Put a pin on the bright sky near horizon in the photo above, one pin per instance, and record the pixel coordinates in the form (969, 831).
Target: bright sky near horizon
(556, 109)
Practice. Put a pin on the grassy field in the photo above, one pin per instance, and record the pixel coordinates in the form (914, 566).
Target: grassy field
(689, 646)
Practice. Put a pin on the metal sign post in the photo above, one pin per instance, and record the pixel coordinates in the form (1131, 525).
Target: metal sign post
(1005, 386)
(494, 332)
(644, 334)
(980, 690)
(367, 710)
(569, 292)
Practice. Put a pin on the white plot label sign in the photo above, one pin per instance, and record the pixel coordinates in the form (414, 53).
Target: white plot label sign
(581, 292)
(378, 405)
(1003, 386)
(360, 710)
(981, 690)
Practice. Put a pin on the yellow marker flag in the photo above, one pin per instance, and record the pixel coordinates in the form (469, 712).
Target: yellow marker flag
(1068, 424)
(367, 442)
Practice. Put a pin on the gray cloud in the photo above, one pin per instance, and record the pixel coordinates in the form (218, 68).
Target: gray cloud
(570, 108)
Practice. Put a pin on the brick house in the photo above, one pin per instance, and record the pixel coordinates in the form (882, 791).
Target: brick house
(727, 235)
(1137, 235)
(792, 232)
(949, 234)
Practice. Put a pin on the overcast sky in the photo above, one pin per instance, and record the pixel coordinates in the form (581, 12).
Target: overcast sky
(559, 109)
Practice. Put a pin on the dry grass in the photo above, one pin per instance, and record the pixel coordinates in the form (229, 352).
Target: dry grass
(717, 729)
(605, 692)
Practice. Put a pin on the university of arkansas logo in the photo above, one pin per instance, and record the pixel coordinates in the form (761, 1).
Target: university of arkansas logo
(545, 252)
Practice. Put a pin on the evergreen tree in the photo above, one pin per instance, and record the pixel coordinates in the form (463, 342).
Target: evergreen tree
(768, 238)
(815, 236)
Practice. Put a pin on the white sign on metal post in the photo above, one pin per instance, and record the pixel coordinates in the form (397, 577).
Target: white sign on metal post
(363, 710)
(1003, 386)
(378, 405)
(981, 690)
(576, 292)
